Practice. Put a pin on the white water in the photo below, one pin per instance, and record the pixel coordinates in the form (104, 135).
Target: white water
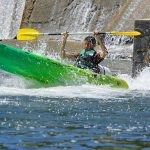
(10, 18)
(12, 85)
(18, 86)
(135, 11)
(142, 82)
(11, 12)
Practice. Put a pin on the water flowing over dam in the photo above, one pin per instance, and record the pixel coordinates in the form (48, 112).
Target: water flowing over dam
(136, 10)
(77, 15)
(11, 12)
(73, 15)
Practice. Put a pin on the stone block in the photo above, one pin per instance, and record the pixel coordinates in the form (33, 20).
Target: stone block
(141, 56)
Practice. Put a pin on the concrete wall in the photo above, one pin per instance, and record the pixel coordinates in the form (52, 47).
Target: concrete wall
(11, 12)
(81, 15)
(71, 15)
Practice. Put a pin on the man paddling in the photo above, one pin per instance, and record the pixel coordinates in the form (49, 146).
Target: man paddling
(88, 58)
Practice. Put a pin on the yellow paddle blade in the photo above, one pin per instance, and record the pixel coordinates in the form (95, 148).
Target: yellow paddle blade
(128, 33)
(28, 34)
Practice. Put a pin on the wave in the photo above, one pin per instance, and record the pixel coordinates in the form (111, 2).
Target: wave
(12, 85)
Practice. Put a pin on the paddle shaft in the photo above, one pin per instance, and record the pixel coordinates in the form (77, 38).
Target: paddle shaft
(70, 33)
(73, 33)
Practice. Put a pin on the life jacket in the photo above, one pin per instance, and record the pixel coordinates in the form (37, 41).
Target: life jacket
(87, 60)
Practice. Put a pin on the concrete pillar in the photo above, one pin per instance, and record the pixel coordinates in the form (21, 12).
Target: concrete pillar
(141, 52)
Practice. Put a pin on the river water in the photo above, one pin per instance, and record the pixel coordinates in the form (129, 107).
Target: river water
(75, 117)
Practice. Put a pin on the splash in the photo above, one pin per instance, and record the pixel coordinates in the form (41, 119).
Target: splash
(83, 91)
(12, 85)
(38, 48)
(9, 80)
(142, 82)
(120, 51)
(138, 86)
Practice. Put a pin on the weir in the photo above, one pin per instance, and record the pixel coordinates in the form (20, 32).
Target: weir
(10, 17)
(141, 52)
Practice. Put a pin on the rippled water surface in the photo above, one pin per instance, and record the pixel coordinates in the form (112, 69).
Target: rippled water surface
(75, 117)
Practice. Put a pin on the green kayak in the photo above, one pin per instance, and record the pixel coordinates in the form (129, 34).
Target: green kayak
(50, 72)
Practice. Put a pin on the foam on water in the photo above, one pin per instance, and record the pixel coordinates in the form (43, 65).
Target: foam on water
(12, 85)
(84, 91)
(139, 85)
(142, 82)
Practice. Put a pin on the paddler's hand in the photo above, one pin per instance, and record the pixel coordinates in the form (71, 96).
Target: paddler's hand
(96, 33)
(65, 35)
(98, 55)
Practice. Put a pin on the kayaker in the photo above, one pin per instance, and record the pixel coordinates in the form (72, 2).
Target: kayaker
(88, 58)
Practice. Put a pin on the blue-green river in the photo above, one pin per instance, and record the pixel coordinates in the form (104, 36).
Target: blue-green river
(75, 117)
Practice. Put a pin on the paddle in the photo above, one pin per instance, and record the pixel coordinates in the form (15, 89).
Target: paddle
(31, 34)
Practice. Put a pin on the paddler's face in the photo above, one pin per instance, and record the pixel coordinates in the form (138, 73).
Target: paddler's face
(88, 45)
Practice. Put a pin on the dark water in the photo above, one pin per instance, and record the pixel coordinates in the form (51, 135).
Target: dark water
(38, 122)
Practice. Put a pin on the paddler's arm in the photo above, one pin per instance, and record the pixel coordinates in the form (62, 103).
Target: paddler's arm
(62, 49)
(63, 53)
(103, 52)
